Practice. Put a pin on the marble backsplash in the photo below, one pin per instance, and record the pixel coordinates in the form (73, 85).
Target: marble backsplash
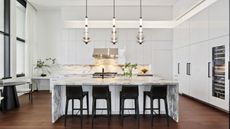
(90, 69)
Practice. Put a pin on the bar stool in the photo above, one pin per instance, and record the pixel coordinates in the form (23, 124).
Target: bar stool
(76, 92)
(101, 92)
(129, 92)
(157, 92)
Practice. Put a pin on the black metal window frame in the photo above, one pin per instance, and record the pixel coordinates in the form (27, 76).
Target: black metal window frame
(6, 34)
(23, 3)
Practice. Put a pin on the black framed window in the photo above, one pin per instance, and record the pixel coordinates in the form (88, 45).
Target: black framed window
(20, 33)
(1, 38)
(4, 38)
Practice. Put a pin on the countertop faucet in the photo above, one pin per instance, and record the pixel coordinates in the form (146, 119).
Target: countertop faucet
(103, 71)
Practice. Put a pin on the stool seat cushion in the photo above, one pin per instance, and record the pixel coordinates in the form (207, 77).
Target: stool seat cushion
(129, 92)
(101, 92)
(154, 96)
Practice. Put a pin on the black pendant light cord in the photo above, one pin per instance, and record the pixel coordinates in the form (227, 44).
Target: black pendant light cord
(140, 8)
(114, 9)
(86, 8)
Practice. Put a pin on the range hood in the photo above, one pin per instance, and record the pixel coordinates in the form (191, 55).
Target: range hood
(106, 53)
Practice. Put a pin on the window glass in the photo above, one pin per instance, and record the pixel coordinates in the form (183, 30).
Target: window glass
(1, 15)
(1, 55)
(20, 57)
(20, 33)
(20, 20)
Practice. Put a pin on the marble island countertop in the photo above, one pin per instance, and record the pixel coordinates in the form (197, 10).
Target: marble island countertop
(58, 87)
(118, 80)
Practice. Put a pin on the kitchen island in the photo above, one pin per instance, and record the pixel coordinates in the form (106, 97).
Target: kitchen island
(115, 84)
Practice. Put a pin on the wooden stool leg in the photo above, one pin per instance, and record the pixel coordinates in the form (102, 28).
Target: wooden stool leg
(72, 107)
(159, 107)
(144, 104)
(93, 110)
(81, 110)
(87, 103)
(151, 106)
(166, 109)
(66, 109)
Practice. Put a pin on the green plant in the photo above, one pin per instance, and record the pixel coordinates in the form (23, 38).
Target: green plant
(128, 69)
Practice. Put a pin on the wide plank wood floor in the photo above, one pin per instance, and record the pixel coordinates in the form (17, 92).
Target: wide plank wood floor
(193, 115)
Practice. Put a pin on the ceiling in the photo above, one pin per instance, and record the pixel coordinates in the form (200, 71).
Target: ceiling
(61, 3)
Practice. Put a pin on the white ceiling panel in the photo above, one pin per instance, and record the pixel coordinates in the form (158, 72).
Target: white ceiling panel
(61, 3)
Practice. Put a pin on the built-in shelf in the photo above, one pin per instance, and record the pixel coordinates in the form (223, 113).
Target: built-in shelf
(218, 82)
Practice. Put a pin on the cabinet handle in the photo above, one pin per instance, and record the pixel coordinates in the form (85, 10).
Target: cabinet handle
(178, 68)
(188, 68)
(228, 70)
(209, 69)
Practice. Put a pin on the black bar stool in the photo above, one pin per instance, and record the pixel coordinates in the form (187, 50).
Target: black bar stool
(101, 92)
(76, 92)
(129, 92)
(157, 92)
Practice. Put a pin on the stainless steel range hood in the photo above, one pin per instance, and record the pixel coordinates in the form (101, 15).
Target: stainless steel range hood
(106, 53)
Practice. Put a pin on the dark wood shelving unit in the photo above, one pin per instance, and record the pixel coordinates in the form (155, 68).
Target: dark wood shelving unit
(218, 81)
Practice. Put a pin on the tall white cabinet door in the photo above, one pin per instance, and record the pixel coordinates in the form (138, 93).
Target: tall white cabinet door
(176, 64)
(184, 76)
(222, 103)
(181, 58)
(199, 71)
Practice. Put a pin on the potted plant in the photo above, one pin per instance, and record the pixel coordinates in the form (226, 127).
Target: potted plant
(128, 69)
(44, 66)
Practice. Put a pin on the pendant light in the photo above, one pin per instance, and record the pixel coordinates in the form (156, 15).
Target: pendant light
(86, 38)
(140, 36)
(114, 32)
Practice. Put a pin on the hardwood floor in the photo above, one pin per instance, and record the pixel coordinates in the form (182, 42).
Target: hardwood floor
(193, 115)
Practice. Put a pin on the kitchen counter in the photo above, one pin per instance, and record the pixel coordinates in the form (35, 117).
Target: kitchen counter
(144, 83)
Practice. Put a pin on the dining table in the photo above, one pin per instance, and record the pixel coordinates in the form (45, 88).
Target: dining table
(10, 95)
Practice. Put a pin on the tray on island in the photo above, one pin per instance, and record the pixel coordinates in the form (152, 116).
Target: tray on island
(144, 74)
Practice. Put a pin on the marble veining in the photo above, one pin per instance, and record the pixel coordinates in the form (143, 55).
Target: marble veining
(58, 91)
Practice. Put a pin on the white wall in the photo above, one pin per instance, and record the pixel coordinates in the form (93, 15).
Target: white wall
(67, 46)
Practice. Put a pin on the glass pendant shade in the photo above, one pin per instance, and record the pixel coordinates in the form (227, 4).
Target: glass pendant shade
(140, 35)
(114, 32)
(86, 38)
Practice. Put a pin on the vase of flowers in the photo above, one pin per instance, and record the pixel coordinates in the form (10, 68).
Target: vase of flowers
(43, 66)
(128, 69)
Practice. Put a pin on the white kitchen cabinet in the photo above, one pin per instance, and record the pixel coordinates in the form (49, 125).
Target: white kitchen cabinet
(199, 87)
(219, 19)
(182, 58)
(199, 27)
(184, 76)
(85, 53)
(147, 52)
(131, 53)
(162, 63)
(199, 82)
(222, 103)
(181, 35)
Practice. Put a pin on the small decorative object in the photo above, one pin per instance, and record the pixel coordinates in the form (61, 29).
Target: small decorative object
(44, 66)
(144, 70)
(128, 69)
